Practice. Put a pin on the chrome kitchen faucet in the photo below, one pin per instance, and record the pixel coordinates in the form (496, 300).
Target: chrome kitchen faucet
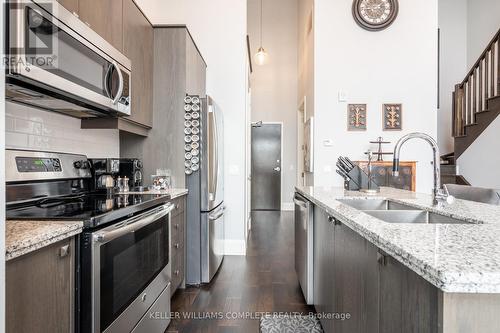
(438, 194)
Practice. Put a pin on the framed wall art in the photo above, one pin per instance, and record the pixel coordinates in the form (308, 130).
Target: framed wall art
(356, 117)
(392, 117)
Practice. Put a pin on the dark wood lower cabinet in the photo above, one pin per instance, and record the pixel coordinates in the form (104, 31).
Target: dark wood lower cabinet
(178, 257)
(324, 288)
(354, 280)
(40, 290)
(408, 303)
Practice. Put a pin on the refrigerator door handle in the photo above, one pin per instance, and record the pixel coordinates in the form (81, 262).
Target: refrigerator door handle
(214, 151)
(217, 215)
(216, 140)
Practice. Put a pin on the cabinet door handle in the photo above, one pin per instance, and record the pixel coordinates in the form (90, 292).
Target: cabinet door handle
(176, 226)
(382, 258)
(176, 272)
(176, 245)
(333, 220)
(64, 251)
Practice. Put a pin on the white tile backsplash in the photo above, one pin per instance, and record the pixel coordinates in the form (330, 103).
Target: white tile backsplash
(30, 128)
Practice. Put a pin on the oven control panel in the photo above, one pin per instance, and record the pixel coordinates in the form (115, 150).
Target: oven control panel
(34, 164)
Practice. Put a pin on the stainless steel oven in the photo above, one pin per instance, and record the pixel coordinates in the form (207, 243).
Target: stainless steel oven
(127, 274)
(56, 62)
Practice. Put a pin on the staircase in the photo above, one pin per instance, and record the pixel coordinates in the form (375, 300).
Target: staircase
(476, 100)
(450, 175)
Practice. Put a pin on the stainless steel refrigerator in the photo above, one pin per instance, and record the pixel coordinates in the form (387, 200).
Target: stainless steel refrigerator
(205, 182)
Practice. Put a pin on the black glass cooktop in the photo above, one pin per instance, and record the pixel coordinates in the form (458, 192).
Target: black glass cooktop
(94, 209)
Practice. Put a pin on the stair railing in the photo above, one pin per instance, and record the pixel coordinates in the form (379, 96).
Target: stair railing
(481, 83)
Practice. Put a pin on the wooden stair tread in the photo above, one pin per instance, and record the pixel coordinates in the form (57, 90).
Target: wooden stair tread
(484, 111)
(473, 124)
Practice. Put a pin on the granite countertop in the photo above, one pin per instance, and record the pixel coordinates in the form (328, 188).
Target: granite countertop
(171, 192)
(456, 258)
(22, 237)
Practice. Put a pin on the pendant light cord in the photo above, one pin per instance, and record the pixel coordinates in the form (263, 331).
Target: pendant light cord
(260, 23)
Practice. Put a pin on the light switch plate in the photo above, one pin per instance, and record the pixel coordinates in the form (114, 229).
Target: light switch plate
(342, 96)
(328, 143)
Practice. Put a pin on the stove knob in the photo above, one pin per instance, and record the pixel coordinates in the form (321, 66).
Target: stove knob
(81, 164)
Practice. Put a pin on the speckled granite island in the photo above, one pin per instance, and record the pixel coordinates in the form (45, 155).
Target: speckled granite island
(23, 237)
(457, 265)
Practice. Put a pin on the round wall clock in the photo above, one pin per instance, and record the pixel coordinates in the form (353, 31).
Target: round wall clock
(374, 15)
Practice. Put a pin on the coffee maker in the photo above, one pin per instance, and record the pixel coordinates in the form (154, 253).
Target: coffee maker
(132, 169)
(105, 171)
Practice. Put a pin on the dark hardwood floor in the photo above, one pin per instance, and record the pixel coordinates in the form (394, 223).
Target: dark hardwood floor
(262, 281)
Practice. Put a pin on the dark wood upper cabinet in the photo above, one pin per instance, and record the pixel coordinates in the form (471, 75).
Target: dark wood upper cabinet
(195, 69)
(138, 47)
(71, 5)
(104, 17)
(137, 44)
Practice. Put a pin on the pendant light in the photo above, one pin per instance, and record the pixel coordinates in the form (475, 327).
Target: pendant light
(261, 55)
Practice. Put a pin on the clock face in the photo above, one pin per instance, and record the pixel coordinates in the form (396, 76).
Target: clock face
(375, 14)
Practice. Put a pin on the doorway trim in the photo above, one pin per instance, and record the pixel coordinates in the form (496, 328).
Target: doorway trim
(301, 113)
(280, 123)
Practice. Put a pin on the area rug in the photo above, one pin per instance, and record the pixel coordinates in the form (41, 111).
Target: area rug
(290, 324)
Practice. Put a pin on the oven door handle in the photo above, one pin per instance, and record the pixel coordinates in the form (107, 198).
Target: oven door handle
(133, 224)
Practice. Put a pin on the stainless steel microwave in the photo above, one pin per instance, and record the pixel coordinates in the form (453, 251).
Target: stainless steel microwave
(56, 62)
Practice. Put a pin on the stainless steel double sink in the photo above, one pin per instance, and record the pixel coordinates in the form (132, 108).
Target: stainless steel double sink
(394, 212)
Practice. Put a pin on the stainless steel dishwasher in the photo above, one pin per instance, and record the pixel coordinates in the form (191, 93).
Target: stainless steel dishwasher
(304, 245)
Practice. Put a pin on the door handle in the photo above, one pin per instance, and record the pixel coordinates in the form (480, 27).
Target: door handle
(277, 169)
(119, 93)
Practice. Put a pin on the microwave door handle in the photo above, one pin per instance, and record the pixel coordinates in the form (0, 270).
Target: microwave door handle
(119, 93)
(107, 87)
(133, 224)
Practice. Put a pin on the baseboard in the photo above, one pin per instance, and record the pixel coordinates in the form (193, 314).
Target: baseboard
(235, 247)
(287, 206)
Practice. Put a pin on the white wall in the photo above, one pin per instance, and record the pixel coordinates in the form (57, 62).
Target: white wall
(30, 128)
(477, 164)
(483, 21)
(397, 65)
(219, 30)
(274, 85)
(453, 64)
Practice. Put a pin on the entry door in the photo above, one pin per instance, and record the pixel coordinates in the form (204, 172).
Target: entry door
(266, 167)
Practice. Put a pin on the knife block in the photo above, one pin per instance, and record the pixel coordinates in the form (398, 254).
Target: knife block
(359, 180)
